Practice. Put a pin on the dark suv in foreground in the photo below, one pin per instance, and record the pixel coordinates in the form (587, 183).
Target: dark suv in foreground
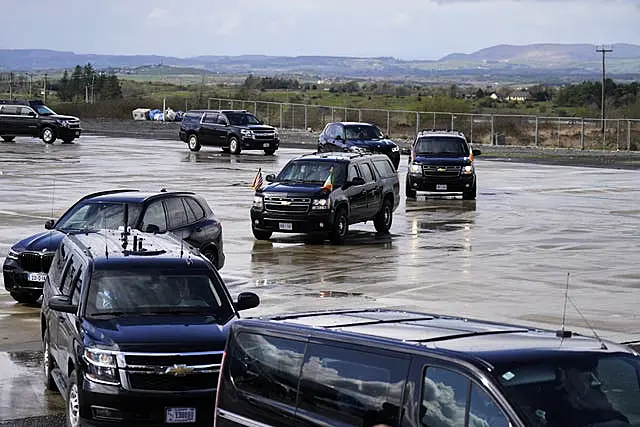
(350, 136)
(233, 130)
(442, 162)
(33, 118)
(133, 329)
(185, 214)
(402, 369)
(325, 193)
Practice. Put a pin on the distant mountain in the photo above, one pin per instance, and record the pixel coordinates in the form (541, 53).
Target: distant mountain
(539, 62)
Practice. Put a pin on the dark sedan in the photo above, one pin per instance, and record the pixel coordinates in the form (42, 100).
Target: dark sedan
(185, 214)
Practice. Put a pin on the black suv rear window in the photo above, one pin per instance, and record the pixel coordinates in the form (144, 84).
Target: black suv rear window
(442, 145)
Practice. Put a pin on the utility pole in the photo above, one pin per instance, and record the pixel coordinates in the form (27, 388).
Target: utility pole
(604, 49)
(44, 99)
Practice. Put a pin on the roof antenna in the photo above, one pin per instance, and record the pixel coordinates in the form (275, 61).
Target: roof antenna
(562, 333)
(603, 346)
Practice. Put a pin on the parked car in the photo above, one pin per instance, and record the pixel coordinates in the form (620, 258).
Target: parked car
(396, 368)
(185, 214)
(33, 118)
(326, 192)
(442, 162)
(233, 130)
(133, 329)
(345, 136)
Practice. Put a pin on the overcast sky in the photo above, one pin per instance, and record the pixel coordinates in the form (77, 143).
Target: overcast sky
(405, 29)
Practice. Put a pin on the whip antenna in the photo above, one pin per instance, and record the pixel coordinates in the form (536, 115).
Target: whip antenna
(562, 333)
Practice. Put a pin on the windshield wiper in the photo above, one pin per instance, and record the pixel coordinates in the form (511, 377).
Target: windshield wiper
(112, 313)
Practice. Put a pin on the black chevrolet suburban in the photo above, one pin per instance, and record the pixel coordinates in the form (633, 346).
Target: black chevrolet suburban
(133, 329)
(442, 162)
(389, 368)
(323, 193)
(33, 118)
(233, 130)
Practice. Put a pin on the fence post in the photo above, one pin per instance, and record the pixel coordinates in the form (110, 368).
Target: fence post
(255, 108)
(306, 117)
(618, 137)
(345, 114)
(281, 116)
(493, 140)
(628, 135)
(582, 135)
(359, 115)
(293, 116)
(417, 123)
(268, 118)
(537, 137)
(471, 130)
(332, 115)
(219, 104)
(388, 122)
(434, 120)
(209, 104)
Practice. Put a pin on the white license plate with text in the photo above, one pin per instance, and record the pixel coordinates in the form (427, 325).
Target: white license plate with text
(36, 277)
(441, 187)
(266, 144)
(180, 415)
(285, 226)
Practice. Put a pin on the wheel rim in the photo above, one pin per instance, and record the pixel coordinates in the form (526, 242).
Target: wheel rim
(192, 142)
(233, 144)
(46, 359)
(74, 406)
(387, 216)
(342, 225)
(47, 134)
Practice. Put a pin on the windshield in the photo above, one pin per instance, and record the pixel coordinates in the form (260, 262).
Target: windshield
(96, 216)
(313, 172)
(577, 390)
(450, 146)
(362, 132)
(147, 292)
(242, 119)
(44, 110)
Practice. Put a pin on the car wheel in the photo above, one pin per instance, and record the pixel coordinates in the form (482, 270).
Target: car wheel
(269, 151)
(47, 363)
(471, 194)
(262, 234)
(8, 138)
(234, 145)
(384, 218)
(225, 149)
(410, 192)
(340, 227)
(25, 297)
(212, 256)
(73, 402)
(193, 143)
(48, 135)
(67, 141)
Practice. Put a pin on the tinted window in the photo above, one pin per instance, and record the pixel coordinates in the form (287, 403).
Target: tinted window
(313, 172)
(68, 277)
(442, 145)
(195, 208)
(242, 119)
(367, 174)
(191, 217)
(353, 172)
(57, 264)
(95, 216)
(77, 286)
(154, 216)
(10, 109)
(363, 132)
(266, 366)
(210, 118)
(176, 214)
(384, 168)
(222, 120)
(25, 111)
(350, 387)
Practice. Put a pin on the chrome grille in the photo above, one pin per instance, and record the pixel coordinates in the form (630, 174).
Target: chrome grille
(36, 262)
(433, 170)
(267, 135)
(287, 204)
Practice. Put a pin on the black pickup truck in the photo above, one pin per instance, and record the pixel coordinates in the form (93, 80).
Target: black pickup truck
(33, 118)
(323, 193)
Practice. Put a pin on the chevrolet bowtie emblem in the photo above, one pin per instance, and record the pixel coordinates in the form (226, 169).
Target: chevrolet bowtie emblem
(442, 169)
(178, 370)
(285, 202)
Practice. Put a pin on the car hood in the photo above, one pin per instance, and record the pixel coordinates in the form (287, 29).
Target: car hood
(382, 144)
(260, 127)
(61, 117)
(289, 188)
(442, 160)
(47, 241)
(157, 333)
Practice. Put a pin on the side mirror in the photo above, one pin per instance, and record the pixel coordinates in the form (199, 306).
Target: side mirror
(476, 152)
(270, 178)
(62, 303)
(49, 224)
(339, 138)
(152, 228)
(247, 300)
(358, 180)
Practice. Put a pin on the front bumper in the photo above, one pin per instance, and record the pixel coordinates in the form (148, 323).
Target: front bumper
(249, 143)
(311, 222)
(16, 279)
(453, 184)
(68, 133)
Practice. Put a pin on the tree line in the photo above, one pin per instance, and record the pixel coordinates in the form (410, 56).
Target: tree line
(86, 83)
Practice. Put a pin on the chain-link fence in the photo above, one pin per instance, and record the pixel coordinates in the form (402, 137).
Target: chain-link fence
(490, 129)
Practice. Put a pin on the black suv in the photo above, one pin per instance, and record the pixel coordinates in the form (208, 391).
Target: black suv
(325, 193)
(233, 130)
(346, 136)
(442, 161)
(396, 368)
(185, 214)
(133, 329)
(33, 118)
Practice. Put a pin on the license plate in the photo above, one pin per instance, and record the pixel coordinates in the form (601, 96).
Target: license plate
(285, 226)
(441, 187)
(266, 144)
(36, 277)
(77, 133)
(180, 415)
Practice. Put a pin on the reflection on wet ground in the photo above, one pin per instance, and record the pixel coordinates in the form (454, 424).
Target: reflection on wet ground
(503, 257)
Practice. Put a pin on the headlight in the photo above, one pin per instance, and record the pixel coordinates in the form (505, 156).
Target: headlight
(395, 149)
(258, 202)
(415, 168)
(320, 204)
(275, 132)
(62, 123)
(13, 254)
(467, 170)
(101, 366)
(246, 133)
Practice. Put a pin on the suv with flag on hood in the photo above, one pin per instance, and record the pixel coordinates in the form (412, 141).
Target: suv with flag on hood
(324, 193)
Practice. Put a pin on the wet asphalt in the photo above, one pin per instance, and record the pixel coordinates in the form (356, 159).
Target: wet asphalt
(504, 257)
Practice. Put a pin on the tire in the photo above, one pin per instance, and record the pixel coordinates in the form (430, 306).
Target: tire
(340, 227)
(73, 402)
(67, 141)
(261, 234)
(25, 297)
(212, 256)
(48, 364)
(471, 194)
(193, 143)
(410, 192)
(225, 149)
(269, 151)
(8, 138)
(234, 145)
(48, 135)
(383, 220)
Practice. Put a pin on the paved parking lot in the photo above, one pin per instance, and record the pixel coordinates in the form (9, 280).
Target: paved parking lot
(504, 257)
